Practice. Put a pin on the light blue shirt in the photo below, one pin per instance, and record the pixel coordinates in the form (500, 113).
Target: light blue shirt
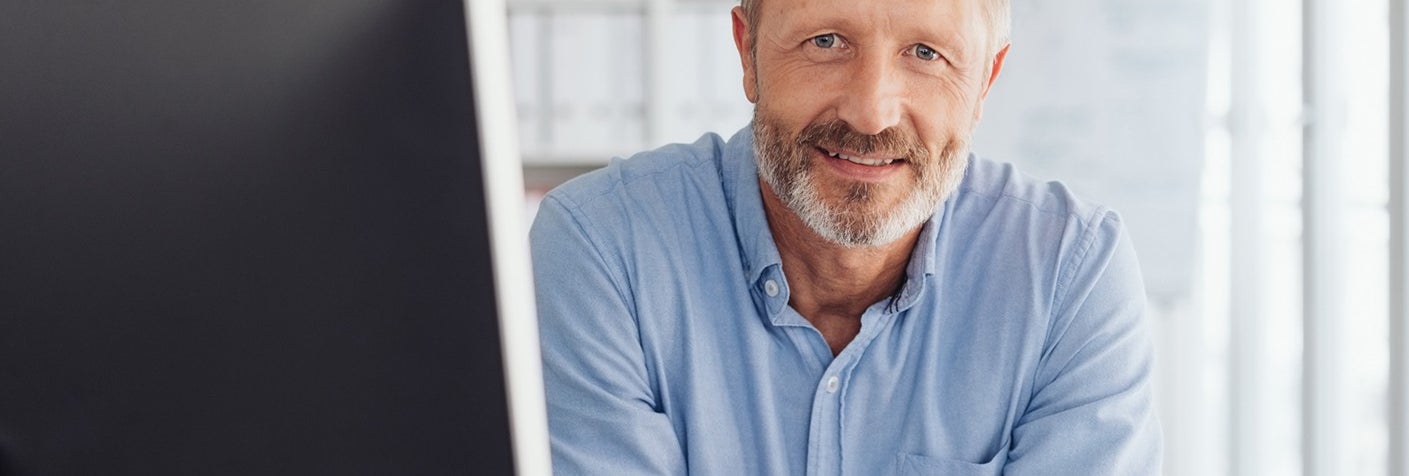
(1017, 345)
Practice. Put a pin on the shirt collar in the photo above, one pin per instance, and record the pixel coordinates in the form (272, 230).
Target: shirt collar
(746, 202)
(921, 265)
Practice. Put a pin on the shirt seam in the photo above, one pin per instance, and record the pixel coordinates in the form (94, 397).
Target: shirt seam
(1068, 275)
(618, 181)
(613, 270)
(1088, 240)
(1068, 272)
(1034, 205)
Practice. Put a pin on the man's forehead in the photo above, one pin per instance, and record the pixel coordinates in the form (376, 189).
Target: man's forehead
(924, 8)
(950, 15)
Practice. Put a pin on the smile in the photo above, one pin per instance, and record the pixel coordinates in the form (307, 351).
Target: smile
(857, 159)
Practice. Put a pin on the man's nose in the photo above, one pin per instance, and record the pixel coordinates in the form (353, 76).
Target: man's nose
(872, 98)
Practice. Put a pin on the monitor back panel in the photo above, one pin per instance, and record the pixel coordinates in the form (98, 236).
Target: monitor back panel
(243, 238)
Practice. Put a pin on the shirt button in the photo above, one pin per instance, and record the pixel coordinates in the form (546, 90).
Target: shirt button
(833, 383)
(771, 287)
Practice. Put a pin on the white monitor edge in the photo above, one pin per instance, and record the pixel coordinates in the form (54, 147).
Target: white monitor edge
(513, 282)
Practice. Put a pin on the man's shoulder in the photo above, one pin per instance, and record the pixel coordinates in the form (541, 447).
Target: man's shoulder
(645, 175)
(990, 186)
(638, 213)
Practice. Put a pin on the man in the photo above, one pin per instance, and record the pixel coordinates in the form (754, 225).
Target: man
(841, 288)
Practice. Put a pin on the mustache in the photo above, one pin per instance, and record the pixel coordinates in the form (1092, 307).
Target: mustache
(836, 134)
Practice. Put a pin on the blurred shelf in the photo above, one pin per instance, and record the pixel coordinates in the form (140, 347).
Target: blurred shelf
(571, 159)
(541, 178)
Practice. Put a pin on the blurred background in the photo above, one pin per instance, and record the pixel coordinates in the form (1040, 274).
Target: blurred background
(1246, 143)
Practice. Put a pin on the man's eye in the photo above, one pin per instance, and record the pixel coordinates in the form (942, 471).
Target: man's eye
(926, 53)
(825, 41)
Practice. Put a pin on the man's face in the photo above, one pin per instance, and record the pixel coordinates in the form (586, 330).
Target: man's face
(864, 109)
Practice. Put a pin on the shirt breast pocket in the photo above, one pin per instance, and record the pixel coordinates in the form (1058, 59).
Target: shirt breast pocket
(917, 465)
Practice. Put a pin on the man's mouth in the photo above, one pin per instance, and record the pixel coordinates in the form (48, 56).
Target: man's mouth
(858, 159)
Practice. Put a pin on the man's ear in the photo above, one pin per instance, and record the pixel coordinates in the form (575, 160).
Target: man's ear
(988, 83)
(741, 42)
(997, 67)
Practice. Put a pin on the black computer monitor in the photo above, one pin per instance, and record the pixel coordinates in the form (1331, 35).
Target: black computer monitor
(262, 237)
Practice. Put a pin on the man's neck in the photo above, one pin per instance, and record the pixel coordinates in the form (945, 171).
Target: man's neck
(829, 284)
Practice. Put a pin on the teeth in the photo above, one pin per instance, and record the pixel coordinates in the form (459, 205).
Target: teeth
(858, 160)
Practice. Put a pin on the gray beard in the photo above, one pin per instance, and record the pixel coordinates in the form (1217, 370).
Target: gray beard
(786, 167)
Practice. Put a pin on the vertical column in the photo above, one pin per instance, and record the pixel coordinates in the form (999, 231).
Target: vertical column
(1399, 240)
(1247, 125)
(1321, 344)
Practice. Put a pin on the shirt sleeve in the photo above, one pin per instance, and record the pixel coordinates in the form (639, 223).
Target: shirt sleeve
(603, 415)
(1092, 408)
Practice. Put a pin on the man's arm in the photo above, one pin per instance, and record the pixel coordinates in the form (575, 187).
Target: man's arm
(602, 412)
(1091, 410)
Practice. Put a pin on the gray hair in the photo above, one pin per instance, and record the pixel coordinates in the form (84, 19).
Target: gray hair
(997, 12)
